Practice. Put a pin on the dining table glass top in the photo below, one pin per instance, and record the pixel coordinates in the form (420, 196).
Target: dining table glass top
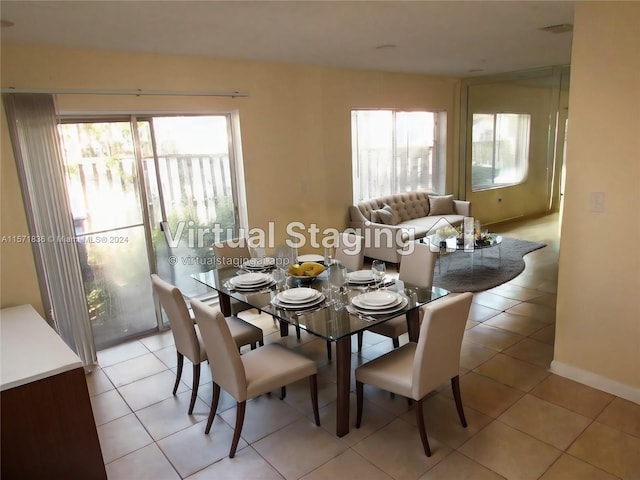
(320, 306)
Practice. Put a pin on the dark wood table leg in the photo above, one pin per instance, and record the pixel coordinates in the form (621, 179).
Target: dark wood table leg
(343, 377)
(284, 328)
(413, 324)
(225, 304)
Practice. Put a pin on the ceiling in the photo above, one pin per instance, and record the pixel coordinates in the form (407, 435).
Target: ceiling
(454, 38)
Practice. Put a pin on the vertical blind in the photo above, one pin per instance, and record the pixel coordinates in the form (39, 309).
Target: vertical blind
(32, 124)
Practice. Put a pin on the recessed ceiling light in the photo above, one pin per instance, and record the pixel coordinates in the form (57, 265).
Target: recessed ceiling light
(560, 28)
(6, 23)
(386, 46)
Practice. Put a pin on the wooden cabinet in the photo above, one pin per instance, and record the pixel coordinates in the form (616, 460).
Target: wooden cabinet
(48, 430)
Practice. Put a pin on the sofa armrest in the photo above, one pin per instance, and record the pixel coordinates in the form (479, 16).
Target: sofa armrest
(462, 207)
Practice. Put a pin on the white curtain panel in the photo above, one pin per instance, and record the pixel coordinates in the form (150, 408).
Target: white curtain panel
(32, 123)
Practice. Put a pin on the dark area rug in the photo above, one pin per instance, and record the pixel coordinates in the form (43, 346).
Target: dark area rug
(456, 272)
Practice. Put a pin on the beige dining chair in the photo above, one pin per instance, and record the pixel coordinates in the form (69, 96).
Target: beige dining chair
(232, 254)
(416, 268)
(350, 251)
(415, 369)
(247, 376)
(187, 337)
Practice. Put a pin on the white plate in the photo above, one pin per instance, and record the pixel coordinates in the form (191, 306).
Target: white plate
(371, 308)
(252, 288)
(250, 279)
(259, 263)
(298, 294)
(384, 311)
(361, 276)
(377, 299)
(282, 299)
(298, 306)
(310, 257)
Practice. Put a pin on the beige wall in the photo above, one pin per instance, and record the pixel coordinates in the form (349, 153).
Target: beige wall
(598, 312)
(295, 127)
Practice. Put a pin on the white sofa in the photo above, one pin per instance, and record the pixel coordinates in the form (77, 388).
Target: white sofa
(389, 222)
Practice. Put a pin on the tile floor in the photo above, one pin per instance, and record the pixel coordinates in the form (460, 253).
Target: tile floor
(524, 423)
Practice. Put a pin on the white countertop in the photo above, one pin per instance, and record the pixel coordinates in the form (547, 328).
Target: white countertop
(30, 349)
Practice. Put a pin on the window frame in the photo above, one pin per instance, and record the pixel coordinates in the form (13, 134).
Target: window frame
(437, 163)
(525, 149)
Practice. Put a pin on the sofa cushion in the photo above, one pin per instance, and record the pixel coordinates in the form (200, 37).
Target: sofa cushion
(421, 227)
(386, 215)
(441, 205)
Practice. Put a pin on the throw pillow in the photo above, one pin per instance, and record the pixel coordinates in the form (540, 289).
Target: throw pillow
(441, 205)
(387, 216)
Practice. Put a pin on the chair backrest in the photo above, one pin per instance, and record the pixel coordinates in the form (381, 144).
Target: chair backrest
(350, 251)
(418, 265)
(184, 332)
(437, 357)
(231, 253)
(226, 365)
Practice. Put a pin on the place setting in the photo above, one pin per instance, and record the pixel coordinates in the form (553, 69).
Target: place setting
(259, 264)
(301, 298)
(377, 303)
(374, 277)
(250, 282)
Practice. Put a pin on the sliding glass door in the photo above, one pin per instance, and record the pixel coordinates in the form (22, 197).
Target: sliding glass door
(144, 193)
(190, 190)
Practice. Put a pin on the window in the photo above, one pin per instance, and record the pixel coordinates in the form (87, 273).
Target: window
(500, 149)
(396, 152)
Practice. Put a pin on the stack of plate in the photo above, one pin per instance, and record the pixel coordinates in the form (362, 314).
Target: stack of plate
(361, 277)
(381, 302)
(310, 257)
(259, 264)
(298, 298)
(250, 282)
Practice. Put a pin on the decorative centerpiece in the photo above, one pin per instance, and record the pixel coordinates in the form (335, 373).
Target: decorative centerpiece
(306, 271)
(483, 239)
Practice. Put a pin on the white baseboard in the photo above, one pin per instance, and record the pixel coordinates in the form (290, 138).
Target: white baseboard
(596, 381)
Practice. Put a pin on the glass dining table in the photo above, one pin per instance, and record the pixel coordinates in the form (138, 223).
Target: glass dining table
(333, 320)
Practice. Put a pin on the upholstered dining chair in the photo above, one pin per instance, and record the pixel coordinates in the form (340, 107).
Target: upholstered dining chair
(415, 369)
(417, 268)
(350, 251)
(247, 376)
(232, 253)
(187, 337)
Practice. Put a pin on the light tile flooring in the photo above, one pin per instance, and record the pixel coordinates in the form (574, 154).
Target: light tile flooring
(524, 423)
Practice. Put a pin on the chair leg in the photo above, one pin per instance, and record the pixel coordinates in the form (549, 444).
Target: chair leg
(396, 342)
(214, 407)
(194, 387)
(455, 386)
(283, 392)
(421, 429)
(360, 338)
(236, 433)
(261, 343)
(298, 332)
(179, 372)
(328, 349)
(253, 346)
(359, 402)
(313, 386)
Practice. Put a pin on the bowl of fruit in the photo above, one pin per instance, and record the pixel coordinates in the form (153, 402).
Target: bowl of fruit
(306, 272)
